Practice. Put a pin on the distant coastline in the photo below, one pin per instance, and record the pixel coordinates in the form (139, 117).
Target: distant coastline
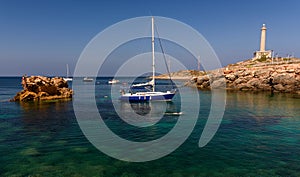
(281, 75)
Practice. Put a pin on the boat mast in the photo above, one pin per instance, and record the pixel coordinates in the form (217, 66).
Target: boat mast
(153, 62)
(67, 71)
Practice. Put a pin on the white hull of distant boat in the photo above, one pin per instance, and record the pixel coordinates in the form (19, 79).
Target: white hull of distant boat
(88, 79)
(149, 95)
(113, 81)
(68, 79)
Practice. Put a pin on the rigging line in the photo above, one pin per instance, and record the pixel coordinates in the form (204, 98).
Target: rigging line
(164, 56)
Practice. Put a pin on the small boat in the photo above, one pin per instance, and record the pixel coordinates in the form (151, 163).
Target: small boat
(68, 78)
(113, 81)
(88, 79)
(151, 95)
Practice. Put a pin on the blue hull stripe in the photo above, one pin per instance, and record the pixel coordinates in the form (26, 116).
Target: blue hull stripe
(148, 98)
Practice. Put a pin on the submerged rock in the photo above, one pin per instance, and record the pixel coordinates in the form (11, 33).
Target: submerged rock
(37, 88)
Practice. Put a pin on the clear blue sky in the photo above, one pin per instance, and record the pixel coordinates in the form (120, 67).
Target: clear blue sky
(41, 37)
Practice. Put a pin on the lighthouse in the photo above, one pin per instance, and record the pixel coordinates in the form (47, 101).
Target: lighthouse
(263, 38)
(262, 50)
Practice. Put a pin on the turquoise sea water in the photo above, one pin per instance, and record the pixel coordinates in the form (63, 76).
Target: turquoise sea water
(259, 136)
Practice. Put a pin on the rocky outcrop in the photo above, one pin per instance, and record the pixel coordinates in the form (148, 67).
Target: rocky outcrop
(182, 75)
(284, 77)
(36, 88)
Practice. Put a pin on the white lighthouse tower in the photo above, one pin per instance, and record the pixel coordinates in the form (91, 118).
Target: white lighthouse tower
(262, 51)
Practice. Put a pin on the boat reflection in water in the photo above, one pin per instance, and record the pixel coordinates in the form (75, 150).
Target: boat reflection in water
(143, 114)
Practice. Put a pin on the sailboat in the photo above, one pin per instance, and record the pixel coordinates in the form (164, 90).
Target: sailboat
(68, 78)
(152, 95)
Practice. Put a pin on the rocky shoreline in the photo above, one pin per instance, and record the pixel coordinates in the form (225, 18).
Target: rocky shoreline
(251, 75)
(38, 88)
(182, 75)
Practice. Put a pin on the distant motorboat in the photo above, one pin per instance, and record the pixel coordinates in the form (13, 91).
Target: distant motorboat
(113, 81)
(88, 79)
(68, 78)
